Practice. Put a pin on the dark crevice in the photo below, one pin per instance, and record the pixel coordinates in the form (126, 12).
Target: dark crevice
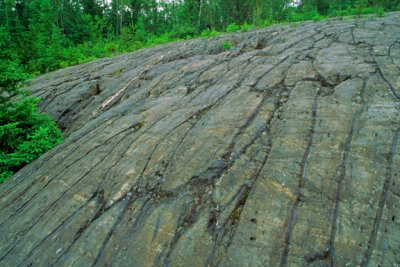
(291, 220)
(110, 139)
(190, 214)
(382, 201)
(317, 256)
(38, 219)
(391, 89)
(60, 226)
(225, 234)
(196, 180)
(112, 230)
(196, 193)
(44, 106)
(100, 207)
(11, 248)
(89, 151)
(206, 181)
(341, 177)
(197, 117)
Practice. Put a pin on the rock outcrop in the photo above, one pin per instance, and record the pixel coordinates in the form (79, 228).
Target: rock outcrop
(282, 151)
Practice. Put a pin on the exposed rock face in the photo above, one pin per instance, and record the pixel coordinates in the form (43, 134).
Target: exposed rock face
(282, 151)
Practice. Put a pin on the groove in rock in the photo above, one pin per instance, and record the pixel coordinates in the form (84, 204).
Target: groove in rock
(382, 201)
(342, 175)
(291, 220)
(224, 236)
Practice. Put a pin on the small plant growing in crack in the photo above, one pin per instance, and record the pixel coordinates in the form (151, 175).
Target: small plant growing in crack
(226, 45)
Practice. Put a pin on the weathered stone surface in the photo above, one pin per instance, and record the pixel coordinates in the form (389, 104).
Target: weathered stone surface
(282, 151)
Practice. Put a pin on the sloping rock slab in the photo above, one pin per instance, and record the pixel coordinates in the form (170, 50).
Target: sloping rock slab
(283, 151)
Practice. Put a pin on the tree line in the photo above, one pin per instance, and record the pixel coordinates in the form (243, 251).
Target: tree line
(43, 35)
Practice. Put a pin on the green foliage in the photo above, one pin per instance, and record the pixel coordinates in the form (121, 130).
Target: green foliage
(209, 33)
(380, 12)
(226, 45)
(247, 27)
(111, 47)
(356, 11)
(39, 36)
(360, 5)
(11, 75)
(183, 32)
(5, 175)
(11, 72)
(24, 135)
(233, 27)
(140, 33)
(295, 15)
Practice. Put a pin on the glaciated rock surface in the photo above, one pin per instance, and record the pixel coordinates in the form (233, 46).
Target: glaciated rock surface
(283, 151)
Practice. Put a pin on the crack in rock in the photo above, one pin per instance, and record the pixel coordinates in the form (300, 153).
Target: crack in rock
(283, 151)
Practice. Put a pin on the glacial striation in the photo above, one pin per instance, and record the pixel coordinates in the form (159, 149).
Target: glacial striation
(281, 151)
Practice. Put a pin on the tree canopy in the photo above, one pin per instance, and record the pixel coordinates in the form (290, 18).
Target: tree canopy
(43, 35)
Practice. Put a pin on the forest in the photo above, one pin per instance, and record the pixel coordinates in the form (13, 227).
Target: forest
(38, 36)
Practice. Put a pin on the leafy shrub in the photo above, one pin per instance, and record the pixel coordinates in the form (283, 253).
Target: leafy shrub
(183, 32)
(294, 15)
(4, 176)
(25, 134)
(11, 72)
(140, 30)
(233, 27)
(317, 17)
(209, 33)
(226, 45)
(380, 11)
(11, 75)
(266, 22)
(127, 34)
(112, 47)
(246, 27)
(162, 39)
(359, 9)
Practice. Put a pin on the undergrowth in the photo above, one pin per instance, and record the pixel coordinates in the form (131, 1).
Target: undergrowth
(25, 134)
(128, 42)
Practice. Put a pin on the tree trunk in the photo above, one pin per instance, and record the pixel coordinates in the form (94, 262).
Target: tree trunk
(200, 11)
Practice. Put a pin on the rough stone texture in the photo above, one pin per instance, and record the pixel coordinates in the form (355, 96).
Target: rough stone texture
(282, 151)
